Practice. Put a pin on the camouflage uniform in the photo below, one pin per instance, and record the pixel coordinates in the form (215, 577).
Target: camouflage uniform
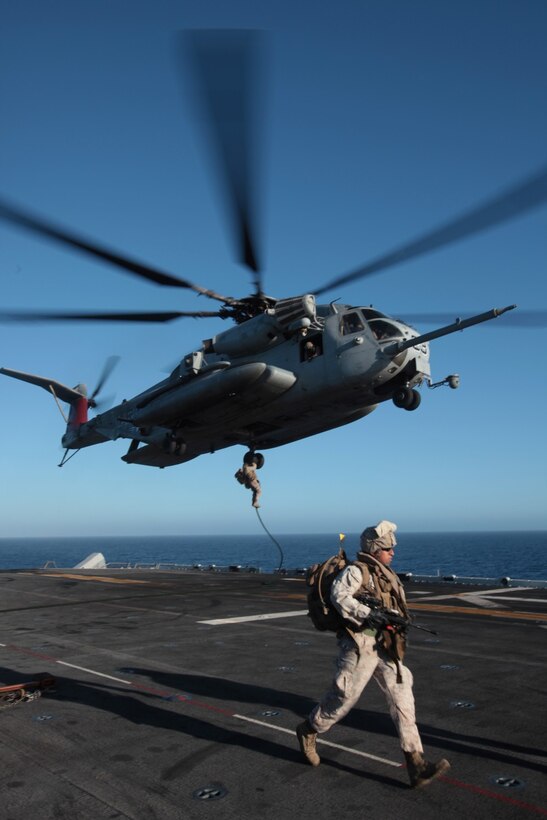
(251, 481)
(363, 656)
(360, 658)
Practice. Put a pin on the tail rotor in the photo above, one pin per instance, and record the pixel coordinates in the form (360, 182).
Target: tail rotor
(108, 367)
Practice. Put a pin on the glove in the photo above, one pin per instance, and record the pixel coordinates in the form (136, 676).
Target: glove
(378, 619)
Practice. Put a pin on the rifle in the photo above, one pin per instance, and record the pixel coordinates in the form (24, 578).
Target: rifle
(388, 616)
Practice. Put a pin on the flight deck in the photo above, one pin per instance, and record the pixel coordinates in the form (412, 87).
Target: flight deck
(176, 695)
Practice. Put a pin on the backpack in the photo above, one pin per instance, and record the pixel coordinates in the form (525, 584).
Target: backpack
(240, 476)
(319, 579)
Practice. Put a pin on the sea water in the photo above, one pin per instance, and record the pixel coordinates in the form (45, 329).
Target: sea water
(483, 554)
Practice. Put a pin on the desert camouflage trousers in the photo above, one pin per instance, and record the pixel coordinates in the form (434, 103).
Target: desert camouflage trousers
(354, 668)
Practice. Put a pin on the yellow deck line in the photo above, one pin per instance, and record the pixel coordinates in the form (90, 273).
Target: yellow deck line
(471, 610)
(447, 608)
(103, 578)
(441, 608)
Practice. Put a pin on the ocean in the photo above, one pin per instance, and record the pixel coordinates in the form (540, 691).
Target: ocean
(484, 554)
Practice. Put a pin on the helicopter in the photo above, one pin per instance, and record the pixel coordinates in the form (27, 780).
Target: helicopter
(290, 367)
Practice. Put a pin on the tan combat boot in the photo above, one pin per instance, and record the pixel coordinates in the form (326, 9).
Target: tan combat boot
(421, 772)
(307, 738)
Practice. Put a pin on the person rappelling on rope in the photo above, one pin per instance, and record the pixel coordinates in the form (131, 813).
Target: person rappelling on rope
(247, 476)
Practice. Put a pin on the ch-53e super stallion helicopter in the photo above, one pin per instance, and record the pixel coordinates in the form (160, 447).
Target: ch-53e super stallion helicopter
(290, 368)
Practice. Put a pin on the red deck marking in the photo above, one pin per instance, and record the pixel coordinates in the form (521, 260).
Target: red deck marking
(31, 652)
(150, 690)
(450, 781)
(182, 698)
(207, 706)
(503, 798)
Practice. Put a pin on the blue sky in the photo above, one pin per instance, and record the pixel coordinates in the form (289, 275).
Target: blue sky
(383, 120)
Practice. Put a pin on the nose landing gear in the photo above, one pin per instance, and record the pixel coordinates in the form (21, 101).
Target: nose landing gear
(407, 398)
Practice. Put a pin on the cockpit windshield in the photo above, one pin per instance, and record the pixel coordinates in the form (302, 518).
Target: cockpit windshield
(370, 313)
(383, 329)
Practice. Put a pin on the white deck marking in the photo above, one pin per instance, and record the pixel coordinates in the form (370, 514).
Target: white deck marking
(85, 669)
(479, 593)
(244, 717)
(265, 617)
(481, 596)
(319, 740)
(524, 600)
(477, 599)
(94, 672)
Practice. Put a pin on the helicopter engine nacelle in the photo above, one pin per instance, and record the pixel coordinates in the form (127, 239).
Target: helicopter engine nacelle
(289, 316)
(250, 337)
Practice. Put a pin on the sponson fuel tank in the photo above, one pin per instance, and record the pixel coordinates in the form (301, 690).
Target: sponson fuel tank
(268, 382)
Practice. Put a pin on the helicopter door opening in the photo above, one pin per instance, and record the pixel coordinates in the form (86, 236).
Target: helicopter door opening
(311, 347)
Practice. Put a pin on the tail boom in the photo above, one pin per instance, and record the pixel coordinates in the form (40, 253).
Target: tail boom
(76, 397)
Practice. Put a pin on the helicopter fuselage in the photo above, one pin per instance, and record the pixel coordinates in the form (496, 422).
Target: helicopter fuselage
(313, 373)
(289, 372)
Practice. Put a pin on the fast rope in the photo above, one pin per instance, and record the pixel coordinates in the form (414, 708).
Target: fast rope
(278, 545)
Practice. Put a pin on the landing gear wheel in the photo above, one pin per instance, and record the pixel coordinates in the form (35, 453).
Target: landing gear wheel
(251, 457)
(403, 397)
(172, 445)
(169, 444)
(416, 399)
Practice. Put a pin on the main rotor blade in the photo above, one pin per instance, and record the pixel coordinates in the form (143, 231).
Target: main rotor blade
(161, 316)
(528, 194)
(521, 318)
(227, 66)
(40, 226)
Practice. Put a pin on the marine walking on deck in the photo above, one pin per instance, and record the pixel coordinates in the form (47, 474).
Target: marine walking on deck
(371, 646)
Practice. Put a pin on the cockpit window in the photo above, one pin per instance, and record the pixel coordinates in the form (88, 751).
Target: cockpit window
(383, 329)
(351, 323)
(370, 313)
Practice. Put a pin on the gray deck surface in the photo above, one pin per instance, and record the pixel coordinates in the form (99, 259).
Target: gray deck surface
(152, 706)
